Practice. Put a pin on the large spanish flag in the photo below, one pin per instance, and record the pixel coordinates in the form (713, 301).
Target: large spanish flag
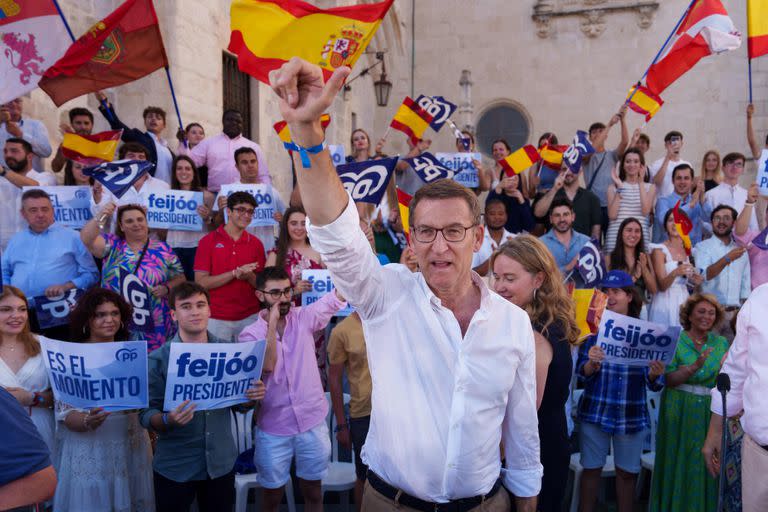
(268, 33)
(757, 27)
(520, 160)
(644, 101)
(121, 48)
(91, 149)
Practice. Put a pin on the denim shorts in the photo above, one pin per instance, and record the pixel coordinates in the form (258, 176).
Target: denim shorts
(273, 455)
(595, 445)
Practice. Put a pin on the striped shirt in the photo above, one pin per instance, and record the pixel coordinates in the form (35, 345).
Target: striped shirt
(630, 207)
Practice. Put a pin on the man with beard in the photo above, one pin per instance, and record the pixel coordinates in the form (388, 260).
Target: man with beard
(690, 192)
(18, 173)
(726, 266)
(562, 241)
(586, 205)
(494, 235)
(291, 420)
(80, 123)
(217, 153)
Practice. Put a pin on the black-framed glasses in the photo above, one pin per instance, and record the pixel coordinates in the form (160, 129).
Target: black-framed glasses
(276, 294)
(426, 234)
(240, 210)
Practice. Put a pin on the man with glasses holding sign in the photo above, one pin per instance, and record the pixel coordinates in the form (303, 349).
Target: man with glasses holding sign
(454, 374)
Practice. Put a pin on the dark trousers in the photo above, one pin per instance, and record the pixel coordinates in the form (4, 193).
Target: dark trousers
(604, 223)
(213, 494)
(187, 258)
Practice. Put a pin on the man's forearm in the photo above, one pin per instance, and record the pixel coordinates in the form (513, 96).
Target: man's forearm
(526, 504)
(543, 204)
(28, 490)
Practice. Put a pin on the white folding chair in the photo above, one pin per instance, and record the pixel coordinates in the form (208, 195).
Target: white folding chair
(341, 476)
(648, 459)
(242, 432)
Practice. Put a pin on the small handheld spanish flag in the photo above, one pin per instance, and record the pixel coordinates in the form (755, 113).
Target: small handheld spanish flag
(683, 225)
(404, 204)
(91, 149)
(590, 305)
(552, 155)
(411, 119)
(281, 127)
(520, 160)
(644, 101)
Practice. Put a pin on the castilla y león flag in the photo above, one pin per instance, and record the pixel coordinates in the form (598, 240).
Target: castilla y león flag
(32, 37)
(706, 29)
(268, 33)
(121, 48)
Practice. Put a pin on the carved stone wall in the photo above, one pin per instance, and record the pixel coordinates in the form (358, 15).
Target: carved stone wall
(592, 14)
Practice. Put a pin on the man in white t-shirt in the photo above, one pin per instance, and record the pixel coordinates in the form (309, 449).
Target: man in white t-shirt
(18, 157)
(729, 192)
(661, 169)
(493, 236)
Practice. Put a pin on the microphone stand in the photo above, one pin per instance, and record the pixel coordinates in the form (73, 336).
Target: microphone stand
(723, 386)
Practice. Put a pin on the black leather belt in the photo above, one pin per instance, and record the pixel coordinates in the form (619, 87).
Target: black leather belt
(406, 500)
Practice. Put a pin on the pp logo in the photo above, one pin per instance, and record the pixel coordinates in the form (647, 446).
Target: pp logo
(135, 292)
(589, 266)
(367, 183)
(437, 107)
(126, 355)
(60, 305)
(81, 194)
(430, 170)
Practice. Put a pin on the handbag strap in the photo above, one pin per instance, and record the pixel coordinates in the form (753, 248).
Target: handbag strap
(597, 171)
(141, 257)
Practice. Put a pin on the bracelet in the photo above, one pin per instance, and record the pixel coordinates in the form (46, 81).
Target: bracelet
(750, 204)
(305, 152)
(37, 399)
(727, 259)
(85, 425)
(164, 417)
(233, 273)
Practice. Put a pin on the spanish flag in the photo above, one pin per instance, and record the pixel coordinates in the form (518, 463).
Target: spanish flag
(268, 33)
(552, 155)
(404, 203)
(644, 101)
(683, 225)
(92, 149)
(757, 28)
(590, 305)
(411, 119)
(281, 127)
(520, 160)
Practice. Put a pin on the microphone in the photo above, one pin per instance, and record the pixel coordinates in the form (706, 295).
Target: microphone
(723, 383)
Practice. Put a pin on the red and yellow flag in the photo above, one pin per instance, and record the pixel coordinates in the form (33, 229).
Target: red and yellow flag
(404, 204)
(644, 101)
(590, 305)
(683, 225)
(281, 127)
(91, 149)
(411, 119)
(268, 33)
(520, 160)
(757, 28)
(552, 155)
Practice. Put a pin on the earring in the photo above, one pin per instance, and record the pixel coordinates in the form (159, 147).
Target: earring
(534, 293)
(83, 329)
(122, 326)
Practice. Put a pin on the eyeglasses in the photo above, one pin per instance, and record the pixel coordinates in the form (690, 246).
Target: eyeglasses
(244, 211)
(737, 163)
(276, 294)
(426, 234)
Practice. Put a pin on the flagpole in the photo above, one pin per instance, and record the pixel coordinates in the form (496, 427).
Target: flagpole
(64, 20)
(175, 103)
(661, 50)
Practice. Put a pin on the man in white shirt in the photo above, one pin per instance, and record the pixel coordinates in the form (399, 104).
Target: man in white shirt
(453, 364)
(31, 130)
(661, 169)
(19, 173)
(493, 236)
(729, 191)
(747, 366)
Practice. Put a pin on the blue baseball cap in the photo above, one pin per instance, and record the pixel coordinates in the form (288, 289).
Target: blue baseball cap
(617, 279)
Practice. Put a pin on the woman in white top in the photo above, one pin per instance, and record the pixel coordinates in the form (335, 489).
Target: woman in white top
(22, 367)
(184, 243)
(673, 268)
(105, 459)
(629, 196)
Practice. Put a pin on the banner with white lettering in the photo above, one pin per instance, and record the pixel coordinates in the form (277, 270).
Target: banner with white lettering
(429, 168)
(54, 311)
(87, 375)
(579, 148)
(590, 265)
(71, 204)
(367, 181)
(175, 209)
(266, 201)
(634, 342)
(321, 282)
(438, 107)
(119, 176)
(338, 156)
(463, 166)
(138, 295)
(212, 375)
(762, 173)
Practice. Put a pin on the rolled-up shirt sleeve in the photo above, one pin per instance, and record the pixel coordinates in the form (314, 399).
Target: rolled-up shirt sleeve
(736, 365)
(520, 430)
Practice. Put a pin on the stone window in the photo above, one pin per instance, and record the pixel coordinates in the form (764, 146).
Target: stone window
(237, 91)
(504, 121)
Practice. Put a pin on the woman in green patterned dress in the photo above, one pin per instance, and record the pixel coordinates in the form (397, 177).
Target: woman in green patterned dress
(680, 478)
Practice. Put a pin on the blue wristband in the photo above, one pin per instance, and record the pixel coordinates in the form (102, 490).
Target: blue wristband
(165, 418)
(305, 152)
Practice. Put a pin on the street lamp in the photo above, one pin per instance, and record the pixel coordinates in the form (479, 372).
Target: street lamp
(381, 87)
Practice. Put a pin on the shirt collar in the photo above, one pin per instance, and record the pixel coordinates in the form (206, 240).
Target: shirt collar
(47, 230)
(211, 338)
(476, 280)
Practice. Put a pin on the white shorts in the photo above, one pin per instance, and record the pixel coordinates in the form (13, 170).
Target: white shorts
(273, 454)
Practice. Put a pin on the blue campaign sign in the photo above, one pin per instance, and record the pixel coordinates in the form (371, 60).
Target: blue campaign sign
(212, 375)
(462, 164)
(87, 375)
(337, 154)
(55, 310)
(577, 151)
(138, 295)
(266, 201)
(119, 176)
(367, 181)
(762, 173)
(590, 265)
(321, 282)
(634, 342)
(438, 107)
(71, 204)
(429, 168)
(175, 209)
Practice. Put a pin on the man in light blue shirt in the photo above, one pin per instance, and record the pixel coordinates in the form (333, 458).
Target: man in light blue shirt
(691, 202)
(562, 241)
(33, 131)
(725, 264)
(46, 258)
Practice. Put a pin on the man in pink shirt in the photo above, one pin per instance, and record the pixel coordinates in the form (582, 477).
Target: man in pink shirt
(743, 234)
(291, 421)
(218, 153)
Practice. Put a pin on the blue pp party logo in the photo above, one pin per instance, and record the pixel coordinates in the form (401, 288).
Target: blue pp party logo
(126, 355)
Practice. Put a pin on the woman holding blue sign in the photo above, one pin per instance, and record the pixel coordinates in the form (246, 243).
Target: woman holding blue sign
(105, 459)
(680, 478)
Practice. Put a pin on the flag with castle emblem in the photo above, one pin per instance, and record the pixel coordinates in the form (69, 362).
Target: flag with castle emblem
(32, 38)
(121, 48)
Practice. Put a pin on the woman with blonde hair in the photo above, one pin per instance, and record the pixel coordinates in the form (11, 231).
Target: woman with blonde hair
(710, 170)
(525, 273)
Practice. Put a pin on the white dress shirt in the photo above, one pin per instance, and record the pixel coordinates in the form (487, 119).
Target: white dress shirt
(734, 283)
(666, 187)
(11, 221)
(732, 195)
(489, 245)
(164, 159)
(442, 402)
(34, 132)
(747, 366)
